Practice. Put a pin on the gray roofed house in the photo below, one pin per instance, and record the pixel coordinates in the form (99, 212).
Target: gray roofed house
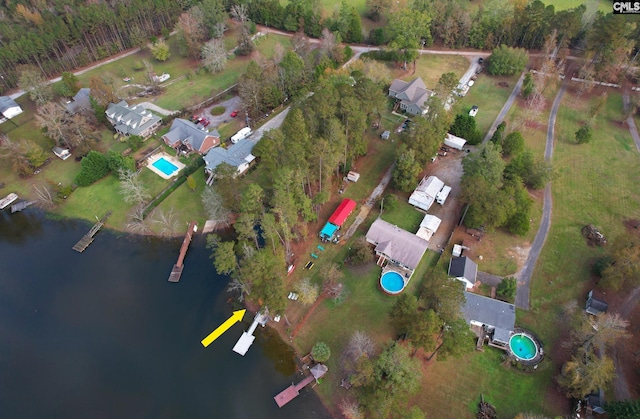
(396, 245)
(80, 101)
(495, 316)
(188, 137)
(411, 95)
(595, 306)
(8, 108)
(463, 269)
(132, 120)
(237, 155)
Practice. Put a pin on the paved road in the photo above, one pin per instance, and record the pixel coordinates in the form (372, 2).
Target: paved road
(525, 274)
(273, 123)
(505, 108)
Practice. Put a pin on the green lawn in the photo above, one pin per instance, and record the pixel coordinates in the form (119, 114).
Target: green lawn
(596, 185)
(431, 67)
(366, 309)
(403, 215)
(490, 98)
(452, 388)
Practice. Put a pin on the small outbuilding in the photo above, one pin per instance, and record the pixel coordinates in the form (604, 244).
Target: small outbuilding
(428, 226)
(353, 176)
(62, 153)
(463, 269)
(454, 142)
(385, 135)
(8, 108)
(595, 306)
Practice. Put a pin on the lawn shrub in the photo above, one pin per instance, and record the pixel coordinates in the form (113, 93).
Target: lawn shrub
(94, 167)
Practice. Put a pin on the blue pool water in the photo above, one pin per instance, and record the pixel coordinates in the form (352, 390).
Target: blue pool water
(165, 166)
(392, 282)
(523, 347)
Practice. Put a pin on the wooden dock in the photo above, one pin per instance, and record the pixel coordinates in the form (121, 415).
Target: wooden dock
(21, 205)
(89, 237)
(176, 272)
(293, 391)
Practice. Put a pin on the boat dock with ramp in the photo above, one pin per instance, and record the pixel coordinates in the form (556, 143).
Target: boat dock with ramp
(293, 391)
(246, 340)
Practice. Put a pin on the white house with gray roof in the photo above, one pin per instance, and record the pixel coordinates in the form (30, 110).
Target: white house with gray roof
(496, 317)
(188, 137)
(8, 108)
(412, 96)
(237, 155)
(132, 120)
(396, 245)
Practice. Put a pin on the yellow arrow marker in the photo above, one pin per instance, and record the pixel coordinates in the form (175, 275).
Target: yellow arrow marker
(235, 318)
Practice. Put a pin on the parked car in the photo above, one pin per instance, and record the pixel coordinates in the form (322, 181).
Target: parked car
(234, 113)
(480, 60)
(205, 122)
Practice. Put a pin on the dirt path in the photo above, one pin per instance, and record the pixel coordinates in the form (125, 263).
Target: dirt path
(505, 108)
(633, 129)
(364, 211)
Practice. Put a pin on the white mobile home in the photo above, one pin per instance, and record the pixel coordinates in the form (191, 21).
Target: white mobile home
(424, 195)
(442, 196)
(454, 142)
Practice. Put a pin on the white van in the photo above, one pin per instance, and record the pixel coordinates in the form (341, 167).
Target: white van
(241, 135)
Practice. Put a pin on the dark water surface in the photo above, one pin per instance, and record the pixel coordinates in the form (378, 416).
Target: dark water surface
(102, 334)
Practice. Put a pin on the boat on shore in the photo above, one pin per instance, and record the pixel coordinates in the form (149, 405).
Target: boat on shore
(7, 200)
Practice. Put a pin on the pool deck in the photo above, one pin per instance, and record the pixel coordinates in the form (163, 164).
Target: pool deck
(171, 159)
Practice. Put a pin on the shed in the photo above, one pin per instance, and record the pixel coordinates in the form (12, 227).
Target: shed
(428, 226)
(343, 211)
(62, 153)
(425, 193)
(353, 176)
(8, 108)
(454, 142)
(385, 135)
(595, 306)
(463, 269)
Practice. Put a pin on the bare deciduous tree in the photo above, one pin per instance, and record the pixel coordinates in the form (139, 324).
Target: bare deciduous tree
(166, 221)
(327, 42)
(136, 223)
(360, 344)
(132, 188)
(243, 287)
(308, 291)
(214, 55)
(239, 12)
(350, 409)
(44, 198)
(213, 206)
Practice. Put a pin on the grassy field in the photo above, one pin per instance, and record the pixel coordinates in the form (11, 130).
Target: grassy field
(431, 67)
(490, 96)
(596, 185)
(403, 215)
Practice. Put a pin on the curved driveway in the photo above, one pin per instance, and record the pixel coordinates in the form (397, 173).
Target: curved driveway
(525, 274)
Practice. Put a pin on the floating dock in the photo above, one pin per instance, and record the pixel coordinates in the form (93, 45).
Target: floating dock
(246, 340)
(293, 391)
(176, 272)
(21, 205)
(89, 237)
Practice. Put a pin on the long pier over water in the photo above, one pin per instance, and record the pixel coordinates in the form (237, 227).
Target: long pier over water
(176, 272)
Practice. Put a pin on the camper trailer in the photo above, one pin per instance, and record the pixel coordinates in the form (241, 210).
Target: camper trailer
(241, 135)
(454, 142)
(441, 196)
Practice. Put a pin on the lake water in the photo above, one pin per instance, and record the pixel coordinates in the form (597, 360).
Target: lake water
(103, 334)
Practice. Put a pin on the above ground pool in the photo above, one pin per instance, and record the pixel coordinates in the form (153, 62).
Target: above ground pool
(392, 282)
(523, 347)
(165, 166)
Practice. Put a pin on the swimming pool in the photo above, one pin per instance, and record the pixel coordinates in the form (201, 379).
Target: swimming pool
(523, 347)
(165, 166)
(392, 282)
